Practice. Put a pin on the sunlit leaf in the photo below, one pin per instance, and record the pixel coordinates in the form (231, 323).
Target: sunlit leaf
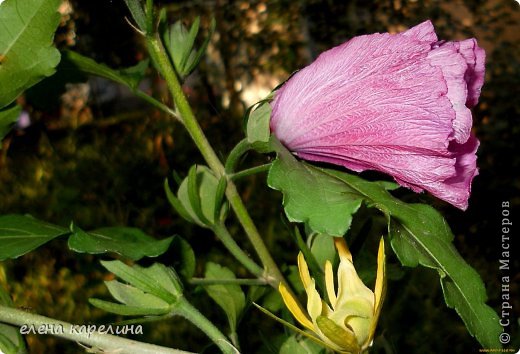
(27, 54)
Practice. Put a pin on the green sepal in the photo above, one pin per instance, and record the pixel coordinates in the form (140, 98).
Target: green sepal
(180, 44)
(257, 128)
(338, 335)
(219, 197)
(176, 203)
(157, 280)
(199, 193)
(193, 195)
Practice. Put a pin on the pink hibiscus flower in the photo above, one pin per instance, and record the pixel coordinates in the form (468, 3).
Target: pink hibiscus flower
(398, 104)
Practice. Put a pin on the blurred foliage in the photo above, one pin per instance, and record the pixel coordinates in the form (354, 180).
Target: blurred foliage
(98, 156)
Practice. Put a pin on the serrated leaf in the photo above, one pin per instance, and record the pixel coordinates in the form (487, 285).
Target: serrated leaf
(130, 77)
(258, 124)
(229, 297)
(21, 234)
(127, 241)
(26, 45)
(8, 116)
(327, 207)
(418, 233)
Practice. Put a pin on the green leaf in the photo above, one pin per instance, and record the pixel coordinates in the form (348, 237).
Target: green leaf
(8, 116)
(418, 233)
(194, 197)
(127, 241)
(135, 8)
(294, 345)
(180, 44)
(258, 124)
(219, 197)
(26, 45)
(130, 77)
(327, 207)
(11, 341)
(183, 257)
(189, 42)
(195, 58)
(21, 234)
(229, 297)
(125, 310)
(176, 203)
(132, 296)
(198, 194)
(156, 280)
(322, 247)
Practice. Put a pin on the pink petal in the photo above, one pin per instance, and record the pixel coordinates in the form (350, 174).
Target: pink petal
(422, 32)
(475, 58)
(391, 103)
(454, 66)
(456, 190)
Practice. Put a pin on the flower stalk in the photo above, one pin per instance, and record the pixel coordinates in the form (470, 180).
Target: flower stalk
(158, 54)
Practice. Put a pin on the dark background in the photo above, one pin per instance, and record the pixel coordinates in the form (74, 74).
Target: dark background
(98, 156)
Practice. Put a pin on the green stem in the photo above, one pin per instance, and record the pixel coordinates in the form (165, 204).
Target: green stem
(228, 241)
(100, 341)
(158, 54)
(234, 156)
(250, 171)
(204, 281)
(159, 105)
(186, 310)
